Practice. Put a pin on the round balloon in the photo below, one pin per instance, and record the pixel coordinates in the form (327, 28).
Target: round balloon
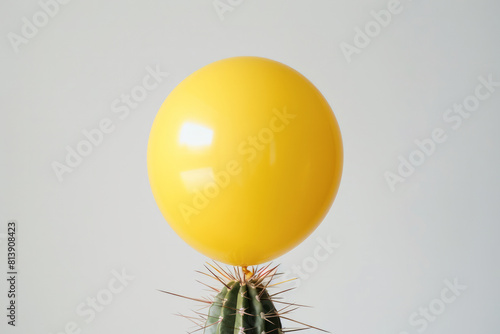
(244, 159)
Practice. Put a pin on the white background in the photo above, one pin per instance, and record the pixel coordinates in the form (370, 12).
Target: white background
(395, 248)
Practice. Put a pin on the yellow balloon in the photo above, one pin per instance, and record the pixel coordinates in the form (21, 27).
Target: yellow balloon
(244, 159)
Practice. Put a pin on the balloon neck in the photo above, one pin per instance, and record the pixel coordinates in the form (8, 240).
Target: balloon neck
(248, 273)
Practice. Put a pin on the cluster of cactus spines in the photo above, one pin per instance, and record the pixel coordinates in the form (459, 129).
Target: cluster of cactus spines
(242, 304)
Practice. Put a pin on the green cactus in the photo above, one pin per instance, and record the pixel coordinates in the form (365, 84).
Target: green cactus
(243, 308)
(243, 304)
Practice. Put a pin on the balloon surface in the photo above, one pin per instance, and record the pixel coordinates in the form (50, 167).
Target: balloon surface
(244, 159)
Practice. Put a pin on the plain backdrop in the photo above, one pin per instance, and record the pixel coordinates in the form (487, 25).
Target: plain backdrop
(396, 249)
